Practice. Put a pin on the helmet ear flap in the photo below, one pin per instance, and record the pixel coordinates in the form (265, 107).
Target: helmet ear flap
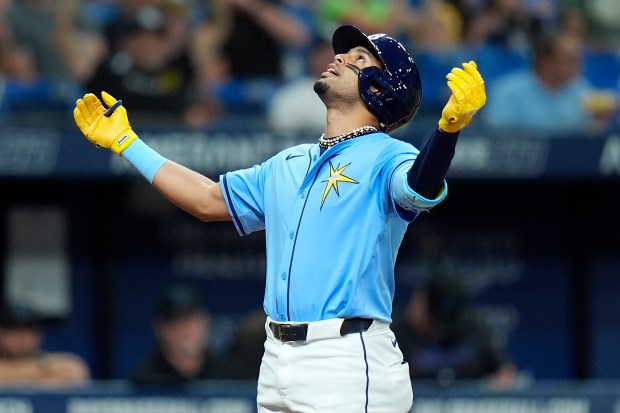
(373, 80)
(375, 91)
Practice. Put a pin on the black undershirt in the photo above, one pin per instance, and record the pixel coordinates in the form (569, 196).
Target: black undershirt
(430, 168)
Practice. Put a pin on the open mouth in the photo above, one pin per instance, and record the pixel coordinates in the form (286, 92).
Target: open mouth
(330, 71)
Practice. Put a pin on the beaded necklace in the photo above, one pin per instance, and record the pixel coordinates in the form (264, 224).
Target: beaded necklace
(329, 142)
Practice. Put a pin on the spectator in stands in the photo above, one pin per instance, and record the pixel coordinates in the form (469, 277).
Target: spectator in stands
(27, 83)
(22, 359)
(150, 64)
(508, 24)
(435, 27)
(16, 62)
(79, 38)
(242, 47)
(442, 27)
(602, 18)
(181, 355)
(573, 21)
(549, 97)
(247, 346)
(32, 24)
(442, 340)
(295, 106)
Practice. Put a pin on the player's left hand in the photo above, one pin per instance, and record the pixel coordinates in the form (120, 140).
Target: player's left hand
(468, 96)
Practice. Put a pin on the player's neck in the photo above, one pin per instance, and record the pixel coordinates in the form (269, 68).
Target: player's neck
(339, 122)
(328, 142)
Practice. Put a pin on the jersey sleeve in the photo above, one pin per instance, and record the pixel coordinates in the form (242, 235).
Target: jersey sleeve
(244, 195)
(407, 198)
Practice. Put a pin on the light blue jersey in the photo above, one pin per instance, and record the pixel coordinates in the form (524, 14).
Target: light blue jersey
(332, 228)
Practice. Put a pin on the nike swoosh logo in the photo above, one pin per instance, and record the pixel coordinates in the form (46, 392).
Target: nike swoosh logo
(394, 343)
(291, 156)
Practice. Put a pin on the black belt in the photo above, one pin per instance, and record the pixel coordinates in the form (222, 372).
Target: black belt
(298, 332)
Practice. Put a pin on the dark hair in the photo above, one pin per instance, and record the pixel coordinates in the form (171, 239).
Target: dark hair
(177, 301)
(14, 315)
(546, 43)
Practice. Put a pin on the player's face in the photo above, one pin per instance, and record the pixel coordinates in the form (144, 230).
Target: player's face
(342, 74)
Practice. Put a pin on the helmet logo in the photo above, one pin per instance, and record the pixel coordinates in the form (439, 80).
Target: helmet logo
(376, 36)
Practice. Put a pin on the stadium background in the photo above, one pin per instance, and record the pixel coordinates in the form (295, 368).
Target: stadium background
(530, 223)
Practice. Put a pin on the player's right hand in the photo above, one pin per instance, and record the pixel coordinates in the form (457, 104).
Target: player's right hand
(107, 130)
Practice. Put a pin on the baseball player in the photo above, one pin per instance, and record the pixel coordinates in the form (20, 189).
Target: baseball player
(334, 214)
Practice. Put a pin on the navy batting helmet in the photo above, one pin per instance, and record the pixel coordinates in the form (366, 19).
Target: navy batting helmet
(393, 92)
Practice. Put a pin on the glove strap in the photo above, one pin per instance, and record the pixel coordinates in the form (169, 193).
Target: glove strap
(144, 159)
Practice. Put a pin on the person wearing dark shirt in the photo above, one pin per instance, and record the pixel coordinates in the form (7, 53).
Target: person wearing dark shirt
(247, 346)
(149, 66)
(241, 49)
(181, 355)
(442, 340)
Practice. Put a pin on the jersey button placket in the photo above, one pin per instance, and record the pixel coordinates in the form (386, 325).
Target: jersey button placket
(282, 283)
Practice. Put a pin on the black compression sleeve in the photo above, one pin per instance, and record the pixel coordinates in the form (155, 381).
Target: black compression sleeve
(431, 166)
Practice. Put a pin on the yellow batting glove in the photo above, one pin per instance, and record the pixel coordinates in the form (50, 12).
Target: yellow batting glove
(106, 128)
(468, 96)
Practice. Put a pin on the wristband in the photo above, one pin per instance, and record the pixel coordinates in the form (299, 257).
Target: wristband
(145, 159)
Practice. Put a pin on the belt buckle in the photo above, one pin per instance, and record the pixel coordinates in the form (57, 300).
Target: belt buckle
(280, 330)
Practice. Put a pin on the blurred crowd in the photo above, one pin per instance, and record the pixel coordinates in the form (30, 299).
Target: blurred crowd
(193, 62)
(441, 334)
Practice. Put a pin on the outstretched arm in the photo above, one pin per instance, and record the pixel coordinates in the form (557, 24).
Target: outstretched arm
(429, 170)
(427, 175)
(192, 192)
(109, 128)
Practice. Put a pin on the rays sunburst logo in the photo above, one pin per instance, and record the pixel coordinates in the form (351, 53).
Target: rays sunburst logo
(336, 175)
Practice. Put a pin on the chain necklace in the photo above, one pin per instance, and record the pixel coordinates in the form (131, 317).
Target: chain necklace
(329, 142)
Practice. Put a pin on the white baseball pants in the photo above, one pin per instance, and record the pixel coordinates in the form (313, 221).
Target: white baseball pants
(360, 372)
